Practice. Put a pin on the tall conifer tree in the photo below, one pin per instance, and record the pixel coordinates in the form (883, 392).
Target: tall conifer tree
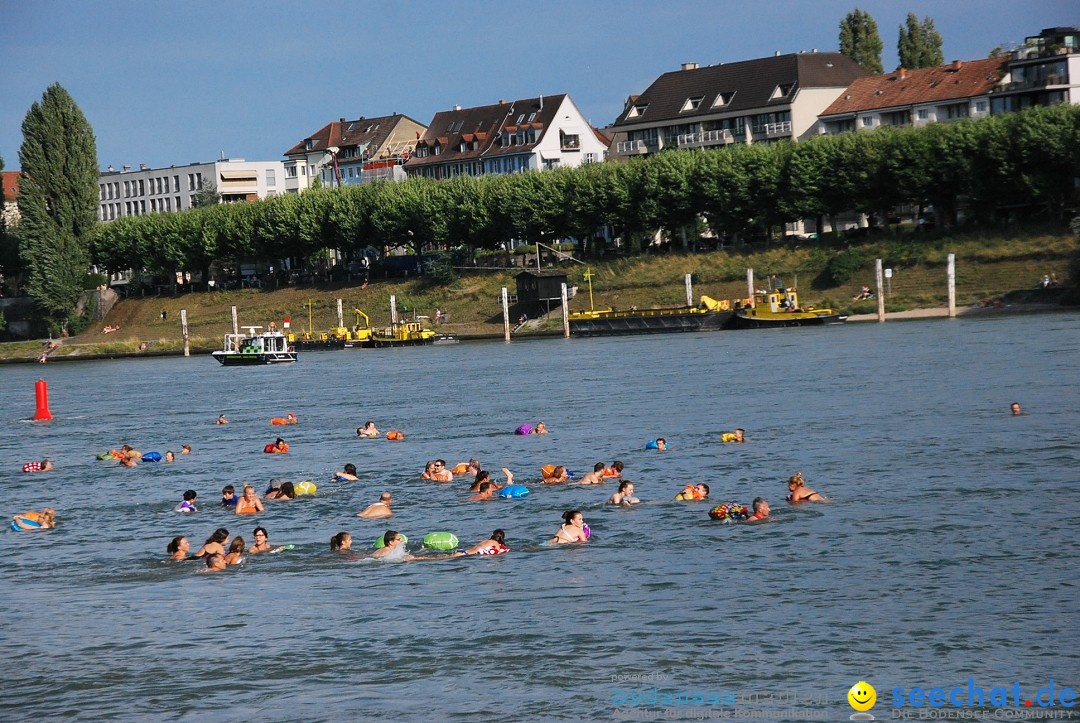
(58, 197)
(919, 44)
(859, 40)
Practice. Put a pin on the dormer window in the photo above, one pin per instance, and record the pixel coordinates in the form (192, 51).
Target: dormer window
(723, 99)
(507, 139)
(692, 103)
(521, 118)
(309, 144)
(462, 147)
(531, 117)
(437, 150)
(782, 91)
(637, 111)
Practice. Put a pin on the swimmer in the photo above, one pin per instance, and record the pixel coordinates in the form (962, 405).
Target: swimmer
(287, 491)
(557, 476)
(572, 530)
(483, 493)
(215, 544)
(215, 562)
(661, 444)
(128, 462)
(278, 447)
(472, 468)
(761, 510)
(170, 456)
(341, 542)
(35, 520)
(178, 548)
(1015, 407)
(43, 466)
(185, 449)
(699, 491)
(228, 496)
(250, 503)
(188, 505)
(494, 545)
(799, 492)
(615, 470)
(540, 428)
(393, 548)
(484, 476)
(736, 436)
(131, 452)
(436, 471)
(236, 552)
(292, 418)
(625, 496)
(368, 430)
(221, 419)
(262, 541)
(378, 509)
(348, 475)
(596, 477)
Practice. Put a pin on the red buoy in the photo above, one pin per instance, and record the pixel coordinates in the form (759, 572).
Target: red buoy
(42, 389)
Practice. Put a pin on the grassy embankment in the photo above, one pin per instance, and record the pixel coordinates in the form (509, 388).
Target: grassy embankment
(988, 266)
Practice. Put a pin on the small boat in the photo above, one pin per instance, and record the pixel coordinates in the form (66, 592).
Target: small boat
(445, 339)
(780, 307)
(709, 315)
(402, 333)
(268, 347)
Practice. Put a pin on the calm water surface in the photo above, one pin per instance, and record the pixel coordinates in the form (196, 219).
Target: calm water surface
(948, 550)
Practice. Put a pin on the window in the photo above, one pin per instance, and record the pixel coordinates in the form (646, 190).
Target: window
(521, 118)
(531, 117)
(176, 183)
(178, 201)
(127, 204)
(191, 181)
(168, 204)
(868, 121)
(590, 158)
(142, 189)
(290, 171)
(980, 106)
(569, 142)
(723, 99)
(271, 177)
(924, 114)
(437, 150)
(166, 180)
(692, 103)
(191, 201)
(143, 205)
(783, 90)
(462, 147)
(127, 189)
(198, 180)
(637, 111)
(350, 172)
(309, 144)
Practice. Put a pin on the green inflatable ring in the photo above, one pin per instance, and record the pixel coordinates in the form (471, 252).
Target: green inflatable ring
(445, 541)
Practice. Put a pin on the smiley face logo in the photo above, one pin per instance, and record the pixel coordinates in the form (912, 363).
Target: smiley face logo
(862, 696)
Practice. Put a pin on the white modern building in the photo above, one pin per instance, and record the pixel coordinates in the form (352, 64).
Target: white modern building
(131, 192)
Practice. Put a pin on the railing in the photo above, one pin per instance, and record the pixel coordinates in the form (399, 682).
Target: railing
(1026, 84)
(782, 128)
(628, 148)
(705, 138)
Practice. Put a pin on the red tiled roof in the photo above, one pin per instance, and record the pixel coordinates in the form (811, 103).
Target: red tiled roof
(11, 185)
(913, 87)
(347, 134)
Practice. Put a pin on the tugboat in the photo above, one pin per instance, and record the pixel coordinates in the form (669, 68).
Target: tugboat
(268, 347)
(402, 333)
(780, 307)
(709, 315)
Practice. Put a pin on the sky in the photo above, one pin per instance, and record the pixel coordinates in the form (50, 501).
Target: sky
(167, 82)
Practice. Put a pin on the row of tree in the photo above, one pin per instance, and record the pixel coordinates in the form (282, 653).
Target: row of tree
(919, 44)
(1028, 158)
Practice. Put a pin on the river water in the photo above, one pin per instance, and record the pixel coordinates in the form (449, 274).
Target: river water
(948, 551)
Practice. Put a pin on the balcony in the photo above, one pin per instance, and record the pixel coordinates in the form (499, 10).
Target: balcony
(704, 139)
(1030, 84)
(636, 148)
(774, 130)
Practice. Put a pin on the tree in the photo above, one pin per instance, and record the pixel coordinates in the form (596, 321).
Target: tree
(859, 40)
(919, 44)
(58, 197)
(207, 195)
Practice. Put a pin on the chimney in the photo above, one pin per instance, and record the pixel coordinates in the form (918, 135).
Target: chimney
(142, 166)
(341, 120)
(901, 73)
(957, 64)
(126, 169)
(458, 107)
(776, 53)
(689, 66)
(501, 101)
(111, 169)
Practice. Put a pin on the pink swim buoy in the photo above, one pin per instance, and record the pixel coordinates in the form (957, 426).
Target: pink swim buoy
(524, 430)
(585, 528)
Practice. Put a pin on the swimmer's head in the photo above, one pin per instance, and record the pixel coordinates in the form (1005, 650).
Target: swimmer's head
(484, 487)
(390, 538)
(499, 536)
(48, 515)
(237, 545)
(473, 465)
(228, 492)
(1015, 407)
(573, 517)
(482, 476)
(215, 561)
(185, 449)
(288, 489)
(702, 489)
(617, 466)
(176, 544)
(220, 536)
(598, 467)
(190, 495)
(340, 541)
(170, 456)
(626, 487)
(350, 468)
(260, 532)
(386, 498)
(761, 506)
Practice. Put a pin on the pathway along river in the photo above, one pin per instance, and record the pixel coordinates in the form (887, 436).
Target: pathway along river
(948, 552)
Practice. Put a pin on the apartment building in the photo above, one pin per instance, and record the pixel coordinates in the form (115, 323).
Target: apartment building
(1045, 71)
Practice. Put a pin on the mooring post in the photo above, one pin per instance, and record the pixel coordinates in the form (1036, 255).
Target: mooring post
(393, 309)
(880, 290)
(750, 285)
(565, 314)
(952, 286)
(689, 291)
(235, 322)
(506, 315)
(183, 327)
(340, 314)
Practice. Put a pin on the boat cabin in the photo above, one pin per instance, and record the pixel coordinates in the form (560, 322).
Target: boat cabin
(252, 342)
(777, 300)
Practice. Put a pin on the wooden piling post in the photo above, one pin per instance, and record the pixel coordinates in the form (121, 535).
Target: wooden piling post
(506, 315)
(880, 291)
(340, 314)
(183, 327)
(565, 314)
(952, 286)
(750, 285)
(235, 322)
(393, 309)
(689, 291)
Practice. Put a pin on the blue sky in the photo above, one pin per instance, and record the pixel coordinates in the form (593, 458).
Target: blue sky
(167, 82)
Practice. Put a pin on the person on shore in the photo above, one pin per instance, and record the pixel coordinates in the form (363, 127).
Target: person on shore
(235, 555)
(287, 491)
(572, 530)
(483, 493)
(368, 430)
(348, 474)
(494, 545)
(215, 562)
(699, 491)
(625, 495)
(221, 419)
(379, 509)
(188, 503)
(262, 541)
(540, 428)
(178, 548)
(215, 544)
(341, 542)
(228, 496)
(799, 492)
(737, 436)
(250, 503)
(170, 456)
(1015, 407)
(43, 466)
(554, 475)
(596, 477)
(34, 520)
(185, 449)
(615, 470)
